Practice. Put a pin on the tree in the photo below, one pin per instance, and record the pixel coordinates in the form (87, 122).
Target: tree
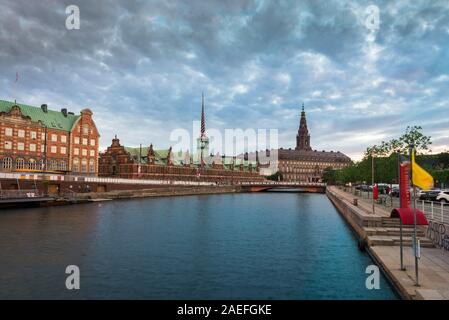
(329, 175)
(412, 136)
(275, 176)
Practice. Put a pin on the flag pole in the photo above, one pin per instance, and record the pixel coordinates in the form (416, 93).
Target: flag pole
(372, 180)
(415, 240)
(400, 220)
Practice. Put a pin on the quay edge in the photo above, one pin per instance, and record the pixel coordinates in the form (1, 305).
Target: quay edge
(359, 219)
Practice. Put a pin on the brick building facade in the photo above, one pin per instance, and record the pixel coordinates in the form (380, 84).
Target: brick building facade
(304, 164)
(146, 163)
(39, 139)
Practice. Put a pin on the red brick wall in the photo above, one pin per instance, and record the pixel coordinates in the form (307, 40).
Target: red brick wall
(53, 151)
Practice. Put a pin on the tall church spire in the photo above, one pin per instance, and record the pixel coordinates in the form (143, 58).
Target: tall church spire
(303, 136)
(203, 120)
(203, 141)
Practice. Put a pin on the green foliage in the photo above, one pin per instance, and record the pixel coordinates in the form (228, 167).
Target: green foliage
(386, 161)
(386, 169)
(330, 175)
(275, 177)
(412, 137)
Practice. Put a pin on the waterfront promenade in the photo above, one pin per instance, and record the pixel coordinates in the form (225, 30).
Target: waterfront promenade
(434, 262)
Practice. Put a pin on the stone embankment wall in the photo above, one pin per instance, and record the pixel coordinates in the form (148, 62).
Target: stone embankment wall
(157, 192)
(355, 216)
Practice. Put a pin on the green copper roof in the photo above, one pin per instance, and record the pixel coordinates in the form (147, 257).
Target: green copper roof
(180, 157)
(51, 119)
(159, 155)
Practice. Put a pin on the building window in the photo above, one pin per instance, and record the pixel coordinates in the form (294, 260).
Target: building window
(20, 163)
(42, 147)
(76, 165)
(32, 147)
(33, 135)
(54, 137)
(32, 164)
(8, 145)
(53, 149)
(92, 165)
(63, 139)
(43, 136)
(76, 151)
(7, 163)
(84, 165)
(84, 152)
(77, 140)
(92, 142)
(21, 133)
(8, 132)
(63, 165)
(63, 150)
(84, 141)
(20, 146)
(92, 153)
(53, 165)
(85, 129)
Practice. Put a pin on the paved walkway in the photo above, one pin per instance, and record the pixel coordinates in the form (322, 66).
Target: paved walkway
(367, 204)
(433, 271)
(433, 265)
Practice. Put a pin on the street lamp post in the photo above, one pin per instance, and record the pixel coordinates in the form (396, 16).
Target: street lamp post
(372, 179)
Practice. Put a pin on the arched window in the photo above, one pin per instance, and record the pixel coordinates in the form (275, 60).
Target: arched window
(62, 165)
(84, 165)
(7, 163)
(32, 164)
(20, 163)
(76, 165)
(92, 166)
(53, 165)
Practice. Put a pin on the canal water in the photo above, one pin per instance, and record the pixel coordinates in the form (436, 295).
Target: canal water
(233, 246)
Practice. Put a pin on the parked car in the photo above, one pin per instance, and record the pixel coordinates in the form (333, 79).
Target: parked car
(429, 195)
(362, 187)
(395, 192)
(383, 188)
(443, 196)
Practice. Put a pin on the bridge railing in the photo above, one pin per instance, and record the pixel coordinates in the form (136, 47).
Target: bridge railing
(283, 183)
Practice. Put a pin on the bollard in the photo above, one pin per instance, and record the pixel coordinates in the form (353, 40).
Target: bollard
(355, 202)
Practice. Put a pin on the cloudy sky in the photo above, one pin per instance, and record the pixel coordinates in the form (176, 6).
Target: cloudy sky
(141, 66)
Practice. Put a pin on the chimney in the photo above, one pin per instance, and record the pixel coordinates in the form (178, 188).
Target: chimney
(64, 112)
(44, 108)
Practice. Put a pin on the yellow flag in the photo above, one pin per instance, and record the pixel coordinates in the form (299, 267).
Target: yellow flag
(421, 178)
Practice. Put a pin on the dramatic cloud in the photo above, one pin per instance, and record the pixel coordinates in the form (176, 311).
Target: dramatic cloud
(141, 67)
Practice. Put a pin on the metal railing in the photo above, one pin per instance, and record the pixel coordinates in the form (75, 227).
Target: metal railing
(435, 211)
(19, 194)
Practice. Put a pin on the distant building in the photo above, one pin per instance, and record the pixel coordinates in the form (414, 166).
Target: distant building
(40, 139)
(148, 163)
(304, 164)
